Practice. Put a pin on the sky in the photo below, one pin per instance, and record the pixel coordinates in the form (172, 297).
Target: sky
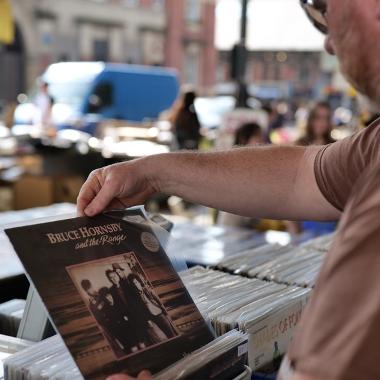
(273, 25)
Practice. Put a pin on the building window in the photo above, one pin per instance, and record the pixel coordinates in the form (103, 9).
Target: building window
(193, 11)
(192, 64)
(97, 42)
(46, 29)
(101, 50)
(158, 5)
(131, 3)
(153, 47)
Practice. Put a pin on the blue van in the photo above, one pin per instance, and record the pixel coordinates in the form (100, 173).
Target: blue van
(84, 92)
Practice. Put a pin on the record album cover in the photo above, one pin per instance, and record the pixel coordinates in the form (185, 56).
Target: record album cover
(111, 292)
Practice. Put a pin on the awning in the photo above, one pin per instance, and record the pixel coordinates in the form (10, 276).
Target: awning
(7, 29)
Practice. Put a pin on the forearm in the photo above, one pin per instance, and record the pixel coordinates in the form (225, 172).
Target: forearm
(271, 182)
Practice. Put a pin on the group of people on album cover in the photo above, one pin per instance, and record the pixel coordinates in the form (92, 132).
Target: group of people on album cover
(130, 314)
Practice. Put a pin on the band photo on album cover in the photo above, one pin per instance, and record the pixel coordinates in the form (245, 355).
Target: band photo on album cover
(124, 304)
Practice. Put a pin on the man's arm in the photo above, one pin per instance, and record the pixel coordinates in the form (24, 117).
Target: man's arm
(270, 182)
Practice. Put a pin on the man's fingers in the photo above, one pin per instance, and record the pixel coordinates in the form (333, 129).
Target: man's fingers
(87, 193)
(82, 203)
(102, 199)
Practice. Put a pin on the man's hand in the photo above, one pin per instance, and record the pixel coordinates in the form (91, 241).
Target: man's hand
(144, 375)
(115, 186)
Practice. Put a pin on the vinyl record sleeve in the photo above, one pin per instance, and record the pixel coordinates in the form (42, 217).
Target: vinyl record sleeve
(111, 292)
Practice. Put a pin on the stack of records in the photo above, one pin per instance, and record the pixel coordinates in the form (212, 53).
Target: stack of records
(230, 302)
(286, 265)
(297, 267)
(267, 311)
(249, 259)
(50, 359)
(11, 313)
(231, 346)
(10, 346)
(322, 243)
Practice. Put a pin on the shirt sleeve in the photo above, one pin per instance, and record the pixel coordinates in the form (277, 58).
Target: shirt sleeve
(339, 333)
(338, 166)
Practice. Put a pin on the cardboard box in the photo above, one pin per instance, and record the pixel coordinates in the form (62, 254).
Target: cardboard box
(33, 191)
(6, 199)
(30, 191)
(32, 163)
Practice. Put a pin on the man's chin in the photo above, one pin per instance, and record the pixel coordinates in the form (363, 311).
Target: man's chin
(363, 85)
(371, 92)
(363, 81)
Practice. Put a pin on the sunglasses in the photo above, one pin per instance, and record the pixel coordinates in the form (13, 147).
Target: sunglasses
(316, 12)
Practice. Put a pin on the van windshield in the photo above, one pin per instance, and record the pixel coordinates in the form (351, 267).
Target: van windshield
(70, 93)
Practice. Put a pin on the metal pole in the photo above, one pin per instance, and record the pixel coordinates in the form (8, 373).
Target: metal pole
(242, 86)
(244, 20)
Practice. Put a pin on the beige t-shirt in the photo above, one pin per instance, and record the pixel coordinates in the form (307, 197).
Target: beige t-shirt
(339, 334)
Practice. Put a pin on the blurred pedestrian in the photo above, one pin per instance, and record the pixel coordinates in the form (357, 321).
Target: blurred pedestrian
(44, 105)
(276, 120)
(249, 134)
(185, 122)
(300, 115)
(9, 111)
(318, 126)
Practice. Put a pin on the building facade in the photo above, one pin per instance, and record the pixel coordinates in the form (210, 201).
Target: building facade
(173, 33)
(285, 50)
(276, 74)
(190, 41)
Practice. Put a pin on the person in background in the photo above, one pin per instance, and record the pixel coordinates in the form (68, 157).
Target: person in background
(249, 134)
(44, 105)
(276, 120)
(318, 126)
(8, 114)
(318, 132)
(301, 114)
(185, 122)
